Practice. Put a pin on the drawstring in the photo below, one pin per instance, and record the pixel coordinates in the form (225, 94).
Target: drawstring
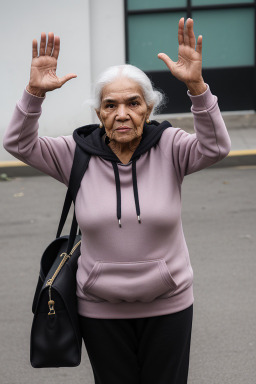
(135, 189)
(118, 191)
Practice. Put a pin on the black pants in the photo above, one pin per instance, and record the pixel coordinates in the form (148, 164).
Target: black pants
(150, 350)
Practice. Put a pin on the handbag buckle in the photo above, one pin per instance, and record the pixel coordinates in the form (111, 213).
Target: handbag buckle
(51, 307)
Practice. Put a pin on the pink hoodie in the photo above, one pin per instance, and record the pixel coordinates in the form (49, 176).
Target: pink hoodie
(142, 269)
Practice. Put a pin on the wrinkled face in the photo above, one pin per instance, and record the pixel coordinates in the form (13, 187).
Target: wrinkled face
(123, 110)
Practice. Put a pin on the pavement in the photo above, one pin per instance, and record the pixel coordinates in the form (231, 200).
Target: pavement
(241, 127)
(218, 214)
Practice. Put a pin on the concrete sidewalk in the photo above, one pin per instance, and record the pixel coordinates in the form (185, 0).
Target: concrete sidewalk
(241, 127)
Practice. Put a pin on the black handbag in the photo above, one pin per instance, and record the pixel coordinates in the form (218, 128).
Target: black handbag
(55, 339)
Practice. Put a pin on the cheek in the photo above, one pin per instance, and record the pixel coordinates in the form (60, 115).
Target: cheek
(144, 111)
(104, 115)
(107, 119)
(139, 121)
(140, 117)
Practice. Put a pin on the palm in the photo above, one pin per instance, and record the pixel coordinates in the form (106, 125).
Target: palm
(188, 68)
(43, 73)
(43, 76)
(189, 64)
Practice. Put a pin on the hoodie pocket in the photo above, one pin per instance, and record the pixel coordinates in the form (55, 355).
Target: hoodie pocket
(129, 281)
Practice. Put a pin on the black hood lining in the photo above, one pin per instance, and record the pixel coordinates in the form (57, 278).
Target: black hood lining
(89, 138)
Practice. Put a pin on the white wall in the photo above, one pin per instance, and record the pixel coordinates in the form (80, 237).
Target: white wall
(107, 35)
(92, 38)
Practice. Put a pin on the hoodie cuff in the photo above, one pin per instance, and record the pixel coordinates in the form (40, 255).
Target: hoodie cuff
(203, 101)
(30, 103)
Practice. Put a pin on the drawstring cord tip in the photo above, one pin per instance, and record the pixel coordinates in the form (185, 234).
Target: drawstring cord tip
(119, 222)
(139, 220)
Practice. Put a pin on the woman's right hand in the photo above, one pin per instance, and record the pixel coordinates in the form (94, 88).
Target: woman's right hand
(43, 76)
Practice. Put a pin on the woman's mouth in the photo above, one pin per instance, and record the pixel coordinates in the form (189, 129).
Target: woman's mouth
(123, 129)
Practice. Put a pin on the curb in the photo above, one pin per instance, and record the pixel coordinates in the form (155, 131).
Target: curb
(18, 169)
(234, 159)
(237, 158)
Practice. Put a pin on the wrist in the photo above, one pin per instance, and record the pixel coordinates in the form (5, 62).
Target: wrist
(35, 91)
(196, 88)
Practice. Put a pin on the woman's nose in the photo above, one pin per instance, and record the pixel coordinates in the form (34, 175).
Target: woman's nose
(122, 112)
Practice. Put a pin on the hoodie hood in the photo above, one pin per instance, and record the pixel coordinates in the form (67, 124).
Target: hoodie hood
(90, 139)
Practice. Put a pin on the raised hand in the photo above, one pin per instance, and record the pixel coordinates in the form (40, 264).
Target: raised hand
(43, 76)
(188, 68)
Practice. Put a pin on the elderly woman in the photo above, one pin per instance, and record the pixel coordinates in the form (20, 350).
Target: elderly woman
(134, 279)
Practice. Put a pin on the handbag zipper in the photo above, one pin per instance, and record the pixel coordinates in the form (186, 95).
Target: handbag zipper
(49, 283)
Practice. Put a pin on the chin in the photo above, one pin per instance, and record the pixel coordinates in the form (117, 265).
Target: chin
(124, 137)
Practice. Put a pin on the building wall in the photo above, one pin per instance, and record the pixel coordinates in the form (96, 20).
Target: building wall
(107, 35)
(92, 38)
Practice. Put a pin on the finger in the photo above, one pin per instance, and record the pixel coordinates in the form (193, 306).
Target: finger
(66, 78)
(181, 31)
(56, 49)
(49, 44)
(199, 45)
(34, 48)
(166, 59)
(186, 38)
(191, 35)
(42, 44)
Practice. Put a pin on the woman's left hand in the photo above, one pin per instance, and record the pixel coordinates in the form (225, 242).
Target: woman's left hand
(188, 68)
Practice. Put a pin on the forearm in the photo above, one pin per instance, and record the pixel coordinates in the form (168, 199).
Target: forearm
(210, 142)
(21, 133)
(35, 91)
(211, 131)
(196, 88)
(52, 156)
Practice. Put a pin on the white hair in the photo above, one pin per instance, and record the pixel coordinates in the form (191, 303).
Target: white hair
(151, 95)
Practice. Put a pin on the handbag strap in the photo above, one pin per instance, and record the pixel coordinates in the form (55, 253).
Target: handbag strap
(79, 166)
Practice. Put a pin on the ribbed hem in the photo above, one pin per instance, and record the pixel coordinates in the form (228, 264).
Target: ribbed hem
(30, 103)
(203, 101)
(125, 310)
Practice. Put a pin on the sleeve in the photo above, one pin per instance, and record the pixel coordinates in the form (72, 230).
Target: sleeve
(209, 144)
(52, 156)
